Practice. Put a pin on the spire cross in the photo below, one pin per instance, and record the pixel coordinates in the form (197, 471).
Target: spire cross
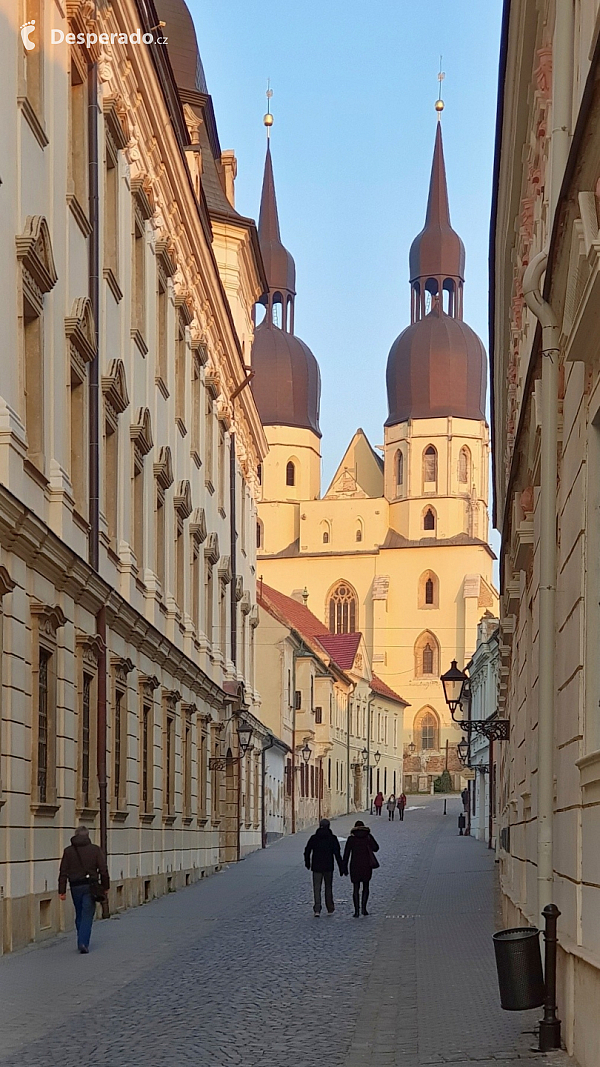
(439, 104)
(268, 119)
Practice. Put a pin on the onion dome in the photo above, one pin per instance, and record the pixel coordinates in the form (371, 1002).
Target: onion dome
(183, 45)
(437, 366)
(286, 383)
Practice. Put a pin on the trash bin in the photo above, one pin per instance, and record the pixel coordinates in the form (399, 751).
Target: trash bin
(519, 965)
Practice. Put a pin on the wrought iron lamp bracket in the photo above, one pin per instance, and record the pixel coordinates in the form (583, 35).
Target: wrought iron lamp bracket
(493, 729)
(220, 763)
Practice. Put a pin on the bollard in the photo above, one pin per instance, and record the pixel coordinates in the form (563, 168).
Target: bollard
(445, 807)
(550, 1025)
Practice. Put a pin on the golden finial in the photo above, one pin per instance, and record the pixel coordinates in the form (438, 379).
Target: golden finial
(439, 104)
(268, 119)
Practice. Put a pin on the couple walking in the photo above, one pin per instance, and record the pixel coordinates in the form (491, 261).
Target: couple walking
(359, 858)
(391, 805)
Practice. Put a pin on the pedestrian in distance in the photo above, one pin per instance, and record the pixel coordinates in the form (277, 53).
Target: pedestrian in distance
(379, 802)
(361, 861)
(83, 865)
(462, 822)
(401, 806)
(319, 855)
(391, 807)
(465, 798)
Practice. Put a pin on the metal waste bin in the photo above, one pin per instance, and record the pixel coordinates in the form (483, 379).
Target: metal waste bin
(519, 965)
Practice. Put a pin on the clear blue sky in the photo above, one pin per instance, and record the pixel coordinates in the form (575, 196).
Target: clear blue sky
(354, 91)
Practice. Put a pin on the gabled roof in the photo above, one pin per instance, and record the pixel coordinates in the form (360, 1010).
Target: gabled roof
(360, 473)
(341, 647)
(379, 686)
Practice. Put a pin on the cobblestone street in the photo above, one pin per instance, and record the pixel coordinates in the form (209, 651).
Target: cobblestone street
(235, 969)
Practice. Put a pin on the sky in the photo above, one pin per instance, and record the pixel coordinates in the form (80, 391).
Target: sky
(354, 86)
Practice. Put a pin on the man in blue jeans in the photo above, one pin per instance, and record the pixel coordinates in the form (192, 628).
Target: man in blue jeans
(83, 865)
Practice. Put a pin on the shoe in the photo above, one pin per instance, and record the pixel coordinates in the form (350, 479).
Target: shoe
(364, 911)
(317, 914)
(330, 911)
(357, 915)
(83, 950)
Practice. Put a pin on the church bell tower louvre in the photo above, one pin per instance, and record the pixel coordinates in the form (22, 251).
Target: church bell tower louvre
(436, 436)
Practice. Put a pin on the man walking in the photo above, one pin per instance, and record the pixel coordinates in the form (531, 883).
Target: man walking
(322, 848)
(84, 866)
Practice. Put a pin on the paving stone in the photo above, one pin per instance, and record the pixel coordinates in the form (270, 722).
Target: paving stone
(235, 970)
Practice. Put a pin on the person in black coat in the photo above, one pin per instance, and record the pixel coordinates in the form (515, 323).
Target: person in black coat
(322, 848)
(359, 852)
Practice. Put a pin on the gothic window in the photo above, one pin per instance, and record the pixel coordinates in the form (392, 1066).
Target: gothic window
(428, 592)
(325, 537)
(290, 473)
(343, 609)
(259, 534)
(399, 468)
(359, 534)
(429, 520)
(427, 737)
(426, 656)
(464, 466)
(430, 465)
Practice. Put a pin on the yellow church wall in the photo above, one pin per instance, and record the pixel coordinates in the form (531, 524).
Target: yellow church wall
(302, 448)
(389, 586)
(341, 521)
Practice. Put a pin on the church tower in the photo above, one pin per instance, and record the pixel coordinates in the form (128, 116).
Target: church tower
(436, 436)
(286, 387)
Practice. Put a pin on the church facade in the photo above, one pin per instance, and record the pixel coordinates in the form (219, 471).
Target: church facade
(396, 547)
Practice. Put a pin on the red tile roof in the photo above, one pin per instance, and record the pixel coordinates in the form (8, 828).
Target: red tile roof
(379, 686)
(341, 647)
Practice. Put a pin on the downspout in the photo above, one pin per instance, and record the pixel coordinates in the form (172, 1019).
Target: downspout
(348, 707)
(294, 651)
(367, 798)
(549, 470)
(562, 98)
(491, 783)
(233, 540)
(265, 749)
(94, 445)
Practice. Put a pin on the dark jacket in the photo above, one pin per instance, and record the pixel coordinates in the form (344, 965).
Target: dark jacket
(359, 848)
(323, 846)
(79, 859)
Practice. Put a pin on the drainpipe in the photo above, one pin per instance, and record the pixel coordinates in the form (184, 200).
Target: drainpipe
(233, 539)
(348, 713)
(562, 100)
(368, 805)
(550, 334)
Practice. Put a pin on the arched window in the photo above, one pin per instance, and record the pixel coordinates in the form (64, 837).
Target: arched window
(426, 730)
(259, 534)
(343, 609)
(429, 591)
(430, 465)
(325, 537)
(358, 535)
(427, 656)
(277, 316)
(399, 468)
(290, 473)
(464, 465)
(429, 520)
(259, 473)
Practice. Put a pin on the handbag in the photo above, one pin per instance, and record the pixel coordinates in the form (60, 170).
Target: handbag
(372, 858)
(97, 892)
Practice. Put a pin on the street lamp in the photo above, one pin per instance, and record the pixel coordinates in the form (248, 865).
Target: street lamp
(244, 732)
(377, 757)
(454, 682)
(306, 752)
(365, 756)
(412, 748)
(462, 751)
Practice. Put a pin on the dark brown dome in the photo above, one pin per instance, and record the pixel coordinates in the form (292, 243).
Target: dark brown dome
(287, 382)
(183, 45)
(436, 367)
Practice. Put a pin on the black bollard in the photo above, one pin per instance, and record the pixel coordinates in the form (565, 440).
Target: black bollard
(444, 807)
(550, 1024)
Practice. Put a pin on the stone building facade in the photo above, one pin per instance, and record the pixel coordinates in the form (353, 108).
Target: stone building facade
(484, 674)
(342, 725)
(546, 413)
(129, 450)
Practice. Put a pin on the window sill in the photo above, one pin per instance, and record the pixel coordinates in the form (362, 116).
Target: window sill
(88, 814)
(162, 386)
(119, 815)
(209, 486)
(147, 817)
(180, 424)
(48, 810)
(33, 121)
(81, 521)
(168, 820)
(79, 214)
(187, 820)
(139, 342)
(35, 473)
(196, 457)
(111, 280)
(202, 820)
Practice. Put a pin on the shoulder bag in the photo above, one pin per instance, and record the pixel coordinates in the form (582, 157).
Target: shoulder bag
(98, 893)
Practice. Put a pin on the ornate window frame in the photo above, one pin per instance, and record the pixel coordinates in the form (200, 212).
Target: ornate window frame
(45, 622)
